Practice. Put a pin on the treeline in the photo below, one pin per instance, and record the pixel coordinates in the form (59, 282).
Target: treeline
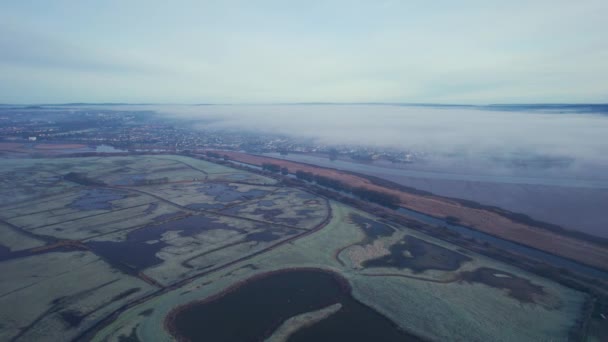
(382, 198)
(306, 176)
(212, 154)
(387, 200)
(275, 168)
(515, 217)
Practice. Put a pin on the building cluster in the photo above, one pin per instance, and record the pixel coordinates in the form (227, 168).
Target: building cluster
(137, 130)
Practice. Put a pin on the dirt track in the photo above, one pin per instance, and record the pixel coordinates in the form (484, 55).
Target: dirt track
(58, 146)
(480, 219)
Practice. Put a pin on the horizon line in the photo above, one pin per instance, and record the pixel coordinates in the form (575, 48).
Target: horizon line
(379, 103)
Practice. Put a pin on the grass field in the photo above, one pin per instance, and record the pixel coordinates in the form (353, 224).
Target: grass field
(435, 304)
(82, 237)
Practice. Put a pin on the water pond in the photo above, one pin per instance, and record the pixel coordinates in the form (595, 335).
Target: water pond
(254, 309)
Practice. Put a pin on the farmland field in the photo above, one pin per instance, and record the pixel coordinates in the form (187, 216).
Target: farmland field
(145, 247)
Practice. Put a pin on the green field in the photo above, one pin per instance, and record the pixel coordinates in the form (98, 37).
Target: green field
(82, 237)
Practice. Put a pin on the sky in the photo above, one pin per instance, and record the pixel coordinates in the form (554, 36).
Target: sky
(475, 52)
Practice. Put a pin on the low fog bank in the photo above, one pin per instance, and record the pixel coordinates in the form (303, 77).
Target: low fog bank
(449, 135)
(486, 155)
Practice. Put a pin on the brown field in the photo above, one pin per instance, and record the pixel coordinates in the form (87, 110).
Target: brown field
(29, 148)
(58, 146)
(484, 220)
(11, 147)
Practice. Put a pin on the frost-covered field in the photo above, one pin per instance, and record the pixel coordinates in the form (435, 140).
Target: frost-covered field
(434, 304)
(81, 237)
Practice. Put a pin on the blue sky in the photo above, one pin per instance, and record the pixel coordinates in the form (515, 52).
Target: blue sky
(303, 51)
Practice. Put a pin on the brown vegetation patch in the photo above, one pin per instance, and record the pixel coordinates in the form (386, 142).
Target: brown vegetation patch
(312, 202)
(13, 147)
(10, 146)
(479, 218)
(58, 146)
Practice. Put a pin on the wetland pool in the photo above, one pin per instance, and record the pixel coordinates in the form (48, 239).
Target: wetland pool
(254, 309)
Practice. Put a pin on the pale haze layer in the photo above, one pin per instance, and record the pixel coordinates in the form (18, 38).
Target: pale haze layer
(463, 132)
(303, 51)
(549, 164)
